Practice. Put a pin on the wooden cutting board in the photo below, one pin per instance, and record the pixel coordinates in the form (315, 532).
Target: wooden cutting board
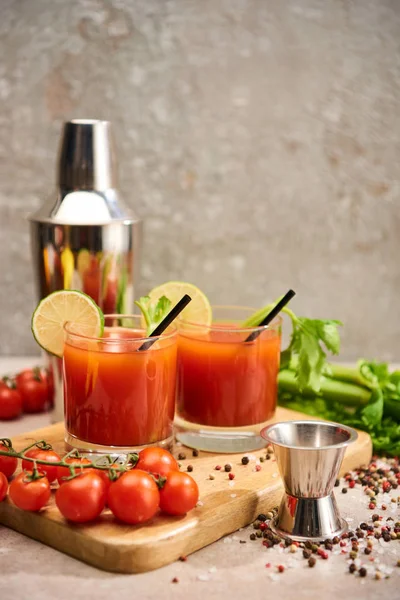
(226, 506)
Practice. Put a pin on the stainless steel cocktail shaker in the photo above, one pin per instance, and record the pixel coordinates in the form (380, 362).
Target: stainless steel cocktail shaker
(83, 237)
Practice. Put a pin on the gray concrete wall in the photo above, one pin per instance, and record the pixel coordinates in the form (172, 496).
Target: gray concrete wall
(259, 140)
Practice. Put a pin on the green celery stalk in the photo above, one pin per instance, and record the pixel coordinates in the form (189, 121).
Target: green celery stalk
(343, 392)
(349, 374)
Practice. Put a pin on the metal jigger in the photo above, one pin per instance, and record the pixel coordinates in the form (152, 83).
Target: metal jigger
(309, 455)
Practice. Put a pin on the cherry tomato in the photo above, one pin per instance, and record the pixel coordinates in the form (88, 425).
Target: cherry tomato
(156, 460)
(104, 474)
(83, 498)
(34, 389)
(134, 497)
(179, 494)
(7, 464)
(10, 401)
(3, 486)
(29, 495)
(64, 472)
(40, 454)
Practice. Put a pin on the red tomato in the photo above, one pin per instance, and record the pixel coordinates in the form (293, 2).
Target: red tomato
(134, 497)
(47, 455)
(29, 495)
(64, 472)
(3, 486)
(7, 464)
(83, 498)
(104, 474)
(156, 460)
(10, 401)
(34, 389)
(179, 494)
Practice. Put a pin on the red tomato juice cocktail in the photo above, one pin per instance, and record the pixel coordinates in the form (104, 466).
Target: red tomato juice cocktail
(224, 381)
(116, 395)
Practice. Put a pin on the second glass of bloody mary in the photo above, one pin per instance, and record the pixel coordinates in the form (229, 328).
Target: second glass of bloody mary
(119, 390)
(227, 385)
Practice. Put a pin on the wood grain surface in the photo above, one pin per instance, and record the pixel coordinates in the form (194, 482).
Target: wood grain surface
(225, 507)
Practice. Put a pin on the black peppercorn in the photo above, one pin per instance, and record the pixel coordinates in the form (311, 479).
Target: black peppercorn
(311, 561)
(352, 568)
(363, 526)
(261, 517)
(344, 490)
(375, 517)
(362, 572)
(253, 536)
(336, 540)
(245, 460)
(367, 550)
(267, 457)
(307, 553)
(189, 468)
(337, 482)
(228, 468)
(308, 544)
(181, 456)
(258, 533)
(195, 452)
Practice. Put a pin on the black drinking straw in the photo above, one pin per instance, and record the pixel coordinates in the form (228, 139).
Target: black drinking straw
(271, 315)
(178, 308)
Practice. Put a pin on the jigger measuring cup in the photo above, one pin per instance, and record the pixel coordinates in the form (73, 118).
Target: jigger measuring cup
(309, 455)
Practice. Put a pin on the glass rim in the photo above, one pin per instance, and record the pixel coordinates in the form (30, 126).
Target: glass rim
(276, 321)
(104, 340)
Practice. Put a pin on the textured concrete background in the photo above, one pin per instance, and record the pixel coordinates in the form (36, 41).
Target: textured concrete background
(259, 140)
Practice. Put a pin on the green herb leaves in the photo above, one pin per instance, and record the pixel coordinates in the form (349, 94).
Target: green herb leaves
(153, 314)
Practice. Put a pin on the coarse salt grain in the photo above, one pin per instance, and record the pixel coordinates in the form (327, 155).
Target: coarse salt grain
(212, 569)
(231, 483)
(200, 503)
(274, 475)
(234, 496)
(204, 577)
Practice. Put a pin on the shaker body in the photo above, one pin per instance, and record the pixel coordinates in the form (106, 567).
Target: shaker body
(100, 260)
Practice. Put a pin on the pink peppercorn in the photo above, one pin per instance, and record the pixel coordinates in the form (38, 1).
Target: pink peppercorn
(281, 568)
(231, 476)
(262, 526)
(352, 483)
(218, 468)
(268, 565)
(258, 467)
(371, 505)
(322, 553)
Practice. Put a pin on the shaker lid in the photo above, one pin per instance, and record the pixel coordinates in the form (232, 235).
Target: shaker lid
(86, 177)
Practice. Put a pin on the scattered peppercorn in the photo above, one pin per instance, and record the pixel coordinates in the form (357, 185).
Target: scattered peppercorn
(337, 482)
(189, 468)
(183, 558)
(228, 468)
(218, 467)
(353, 554)
(195, 452)
(336, 540)
(270, 450)
(181, 456)
(311, 561)
(344, 490)
(267, 457)
(352, 568)
(245, 460)
(211, 476)
(262, 459)
(262, 517)
(375, 517)
(175, 580)
(367, 550)
(306, 553)
(252, 536)
(231, 476)
(362, 572)
(281, 568)
(258, 533)
(258, 467)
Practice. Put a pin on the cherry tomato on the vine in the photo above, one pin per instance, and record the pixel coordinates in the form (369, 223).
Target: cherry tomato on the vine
(134, 497)
(27, 494)
(3, 486)
(82, 498)
(156, 460)
(10, 400)
(34, 388)
(8, 464)
(64, 472)
(179, 494)
(40, 454)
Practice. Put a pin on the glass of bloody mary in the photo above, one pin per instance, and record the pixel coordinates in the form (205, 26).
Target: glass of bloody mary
(119, 390)
(227, 386)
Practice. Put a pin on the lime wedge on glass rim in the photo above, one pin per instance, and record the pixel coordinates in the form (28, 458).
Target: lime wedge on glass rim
(197, 311)
(60, 307)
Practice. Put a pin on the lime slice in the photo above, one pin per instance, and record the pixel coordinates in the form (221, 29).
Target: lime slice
(56, 309)
(198, 310)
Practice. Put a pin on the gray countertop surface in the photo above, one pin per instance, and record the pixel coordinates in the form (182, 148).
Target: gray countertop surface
(226, 568)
